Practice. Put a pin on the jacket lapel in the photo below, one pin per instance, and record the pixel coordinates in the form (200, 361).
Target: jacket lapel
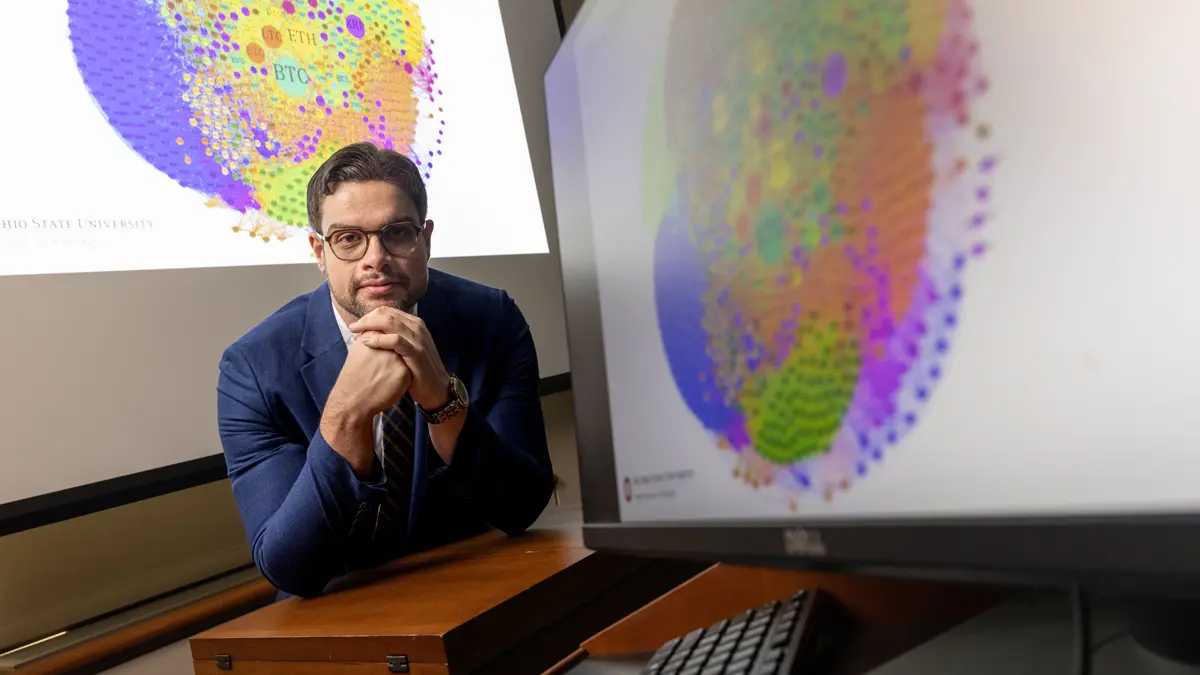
(323, 342)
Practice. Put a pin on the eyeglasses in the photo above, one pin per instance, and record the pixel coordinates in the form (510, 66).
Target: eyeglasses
(350, 245)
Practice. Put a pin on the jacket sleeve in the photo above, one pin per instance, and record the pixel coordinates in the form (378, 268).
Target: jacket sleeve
(297, 502)
(501, 462)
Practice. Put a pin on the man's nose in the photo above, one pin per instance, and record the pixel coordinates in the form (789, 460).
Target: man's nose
(375, 252)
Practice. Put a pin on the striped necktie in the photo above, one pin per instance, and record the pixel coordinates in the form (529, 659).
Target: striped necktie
(399, 429)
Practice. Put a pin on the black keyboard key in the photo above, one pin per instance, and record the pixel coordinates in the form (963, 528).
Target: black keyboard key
(690, 639)
(668, 668)
(740, 667)
(757, 628)
(657, 668)
(727, 640)
(779, 638)
(745, 653)
(701, 651)
(717, 661)
(766, 669)
(664, 652)
(675, 663)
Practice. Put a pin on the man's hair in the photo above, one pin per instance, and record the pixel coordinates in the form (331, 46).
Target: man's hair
(359, 163)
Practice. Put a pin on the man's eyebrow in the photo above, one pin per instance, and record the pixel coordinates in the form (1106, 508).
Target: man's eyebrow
(399, 220)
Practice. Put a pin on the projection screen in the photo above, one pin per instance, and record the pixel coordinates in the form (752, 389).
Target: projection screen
(153, 210)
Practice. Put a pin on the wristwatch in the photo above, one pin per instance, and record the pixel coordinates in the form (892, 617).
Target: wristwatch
(456, 404)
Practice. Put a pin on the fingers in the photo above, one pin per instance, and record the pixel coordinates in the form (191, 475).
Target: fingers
(386, 320)
(404, 343)
(375, 340)
(378, 340)
(377, 320)
(391, 321)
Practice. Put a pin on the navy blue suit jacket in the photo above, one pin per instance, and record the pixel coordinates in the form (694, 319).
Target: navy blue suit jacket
(300, 501)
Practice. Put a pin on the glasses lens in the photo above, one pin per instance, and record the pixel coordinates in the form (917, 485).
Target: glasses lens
(348, 244)
(399, 239)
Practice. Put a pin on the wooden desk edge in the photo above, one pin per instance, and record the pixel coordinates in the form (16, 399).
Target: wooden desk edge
(565, 665)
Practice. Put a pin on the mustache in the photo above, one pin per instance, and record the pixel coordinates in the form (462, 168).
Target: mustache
(398, 280)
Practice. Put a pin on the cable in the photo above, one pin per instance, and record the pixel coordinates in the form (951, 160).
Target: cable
(1082, 609)
(1108, 641)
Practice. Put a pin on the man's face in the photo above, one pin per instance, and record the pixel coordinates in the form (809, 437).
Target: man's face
(378, 278)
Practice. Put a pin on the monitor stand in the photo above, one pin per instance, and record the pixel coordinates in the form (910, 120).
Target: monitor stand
(1166, 627)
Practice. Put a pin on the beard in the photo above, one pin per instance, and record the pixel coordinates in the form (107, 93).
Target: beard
(360, 306)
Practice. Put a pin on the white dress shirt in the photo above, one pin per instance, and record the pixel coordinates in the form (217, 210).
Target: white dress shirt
(348, 337)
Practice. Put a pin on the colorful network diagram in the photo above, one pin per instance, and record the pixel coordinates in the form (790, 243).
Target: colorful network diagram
(242, 100)
(819, 181)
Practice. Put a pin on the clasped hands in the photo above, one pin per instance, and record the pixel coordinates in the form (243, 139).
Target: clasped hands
(393, 353)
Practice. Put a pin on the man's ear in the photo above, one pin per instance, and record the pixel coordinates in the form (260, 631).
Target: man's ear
(428, 234)
(318, 250)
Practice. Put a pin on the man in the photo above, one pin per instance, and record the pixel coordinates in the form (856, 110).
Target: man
(393, 408)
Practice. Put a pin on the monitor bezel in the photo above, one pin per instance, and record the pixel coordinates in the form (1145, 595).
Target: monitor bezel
(1157, 552)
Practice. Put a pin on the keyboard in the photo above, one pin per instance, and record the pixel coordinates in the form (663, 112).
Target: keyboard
(769, 640)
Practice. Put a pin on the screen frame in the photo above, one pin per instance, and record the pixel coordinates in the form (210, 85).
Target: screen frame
(1142, 552)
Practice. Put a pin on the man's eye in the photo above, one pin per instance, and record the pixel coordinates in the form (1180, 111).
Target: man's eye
(346, 238)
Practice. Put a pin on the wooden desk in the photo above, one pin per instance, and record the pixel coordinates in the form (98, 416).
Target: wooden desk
(490, 604)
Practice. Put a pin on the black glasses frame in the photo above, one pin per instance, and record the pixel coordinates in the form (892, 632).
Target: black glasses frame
(420, 229)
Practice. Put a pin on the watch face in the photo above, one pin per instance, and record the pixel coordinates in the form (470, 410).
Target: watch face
(460, 390)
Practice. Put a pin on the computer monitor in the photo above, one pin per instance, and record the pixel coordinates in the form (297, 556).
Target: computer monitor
(905, 285)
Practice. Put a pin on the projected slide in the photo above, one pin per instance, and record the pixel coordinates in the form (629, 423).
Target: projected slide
(192, 127)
